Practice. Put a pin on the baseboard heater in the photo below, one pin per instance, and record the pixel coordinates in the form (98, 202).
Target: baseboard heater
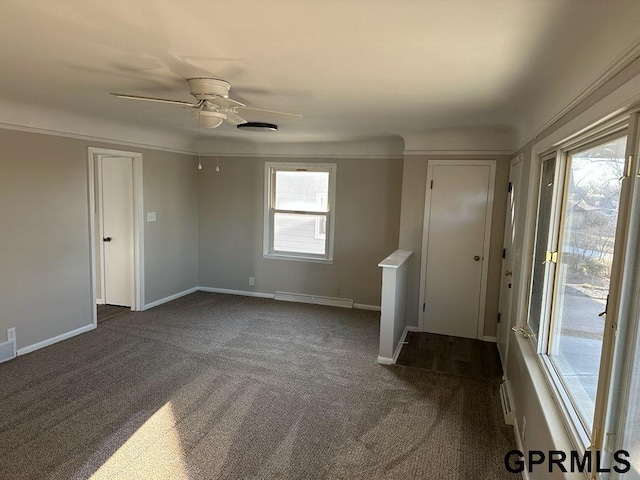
(7, 350)
(315, 299)
(505, 399)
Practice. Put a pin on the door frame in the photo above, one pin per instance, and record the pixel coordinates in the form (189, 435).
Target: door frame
(487, 237)
(94, 157)
(507, 316)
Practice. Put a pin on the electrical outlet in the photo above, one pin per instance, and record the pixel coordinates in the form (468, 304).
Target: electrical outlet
(11, 334)
(252, 281)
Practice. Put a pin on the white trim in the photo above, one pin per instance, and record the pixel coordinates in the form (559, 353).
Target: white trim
(457, 152)
(235, 292)
(95, 154)
(93, 138)
(91, 184)
(487, 237)
(621, 62)
(295, 258)
(170, 298)
(306, 156)
(385, 361)
(269, 211)
(487, 338)
(245, 293)
(363, 306)
(59, 338)
(520, 447)
(314, 299)
(99, 301)
(398, 349)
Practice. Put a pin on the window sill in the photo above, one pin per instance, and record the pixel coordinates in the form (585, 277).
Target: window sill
(297, 258)
(564, 434)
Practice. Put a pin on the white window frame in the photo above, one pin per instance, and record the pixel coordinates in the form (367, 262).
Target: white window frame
(539, 341)
(270, 168)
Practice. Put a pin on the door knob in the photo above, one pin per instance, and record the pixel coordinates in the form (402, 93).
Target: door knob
(508, 273)
(477, 258)
(106, 239)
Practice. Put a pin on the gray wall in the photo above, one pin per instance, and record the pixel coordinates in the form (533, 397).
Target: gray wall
(368, 193)
(411, 224)
(171, 242)
(44, 245)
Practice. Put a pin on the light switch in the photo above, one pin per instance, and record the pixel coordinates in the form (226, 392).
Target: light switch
(151, 216)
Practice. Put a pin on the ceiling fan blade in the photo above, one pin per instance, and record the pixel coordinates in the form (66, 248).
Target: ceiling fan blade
(157, 100)
(233, 118)
(225, 102)
(261, 111)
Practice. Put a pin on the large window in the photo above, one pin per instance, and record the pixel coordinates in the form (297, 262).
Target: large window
(586, 245)
(299, 211)
(573, 273)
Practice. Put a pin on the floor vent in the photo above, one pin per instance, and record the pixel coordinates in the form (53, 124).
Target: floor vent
(7, 350)
(505, 399)
(315, 299)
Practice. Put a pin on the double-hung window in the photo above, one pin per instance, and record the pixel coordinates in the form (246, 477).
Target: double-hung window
(299, 211)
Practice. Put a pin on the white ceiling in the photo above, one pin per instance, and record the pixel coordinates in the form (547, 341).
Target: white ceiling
(354, 69)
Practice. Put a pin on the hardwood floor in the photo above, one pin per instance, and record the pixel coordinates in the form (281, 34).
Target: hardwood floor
(109, 312)
(441, 353)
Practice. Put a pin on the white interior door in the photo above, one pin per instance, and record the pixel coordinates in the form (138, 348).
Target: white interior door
(457, 224)
(117, 229)
(509, 252)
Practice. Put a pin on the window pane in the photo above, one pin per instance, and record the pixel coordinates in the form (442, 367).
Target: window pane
(304, 191)
(542, 243)
(299, 233)
(587, 237)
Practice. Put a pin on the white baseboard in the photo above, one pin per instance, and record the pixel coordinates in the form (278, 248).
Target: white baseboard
(314, 299)
(520, 447)
(407, 329)
(362, 306)
(489, 339)
(246, 293)
(227, 291)
(99, 301)
(385, 361)
(396, 352)
(507, 402)
(175, 296)
(59, 338)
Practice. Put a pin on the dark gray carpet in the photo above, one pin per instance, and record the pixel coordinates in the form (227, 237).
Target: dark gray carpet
(226, 387)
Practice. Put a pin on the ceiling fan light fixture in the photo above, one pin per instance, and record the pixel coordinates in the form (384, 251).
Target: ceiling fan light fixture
(208, 119)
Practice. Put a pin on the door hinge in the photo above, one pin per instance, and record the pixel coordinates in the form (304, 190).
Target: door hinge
(424, 305)
(504, 253)
(551, 257)
(499, 316)
(510, 187)
(431, 184)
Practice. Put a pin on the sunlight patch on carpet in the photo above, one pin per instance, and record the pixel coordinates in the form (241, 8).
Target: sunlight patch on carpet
(153, 451)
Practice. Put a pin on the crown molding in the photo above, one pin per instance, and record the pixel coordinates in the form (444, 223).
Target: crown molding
(619, 64)
(298, 156)
(92, 138)
(408, 153)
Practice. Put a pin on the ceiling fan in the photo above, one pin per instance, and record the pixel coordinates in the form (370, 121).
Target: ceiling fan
(214, 105)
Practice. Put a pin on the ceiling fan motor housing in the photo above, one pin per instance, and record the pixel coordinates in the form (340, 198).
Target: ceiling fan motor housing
(204, 88)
